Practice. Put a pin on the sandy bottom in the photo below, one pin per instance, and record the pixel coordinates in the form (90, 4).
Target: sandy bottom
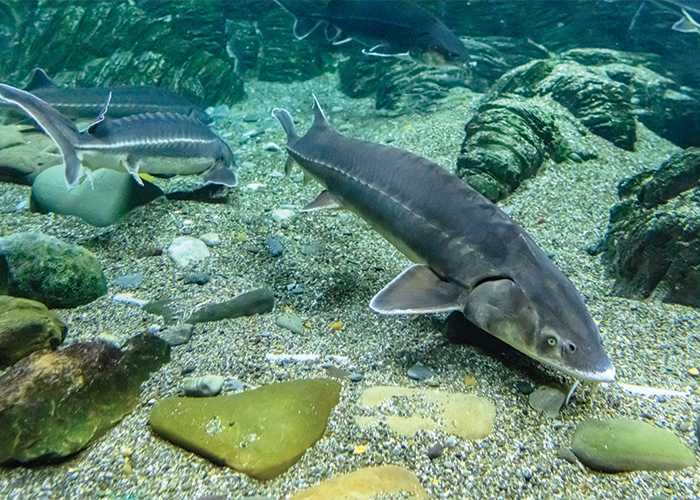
(339, 263)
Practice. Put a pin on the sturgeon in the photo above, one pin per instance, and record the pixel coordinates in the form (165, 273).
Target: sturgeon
(152, 143)
(469, 255)
(392, 28)
(87, 102)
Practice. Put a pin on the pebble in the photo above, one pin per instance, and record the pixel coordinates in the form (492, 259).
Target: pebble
(355, 377)
(694, 372)
(299, 358)
(420, 372)
(196, 278)
(547, 400)
(281, 214)
(234, 385)
(211, 239)
(185, 251)
(206, 386)
(129, 298)
(271, 146)
(178, 334)
(187, 369)
(154, 328)
(274, 246)
(251, 134)
(435, 451)
(291, 322)
(129, 281)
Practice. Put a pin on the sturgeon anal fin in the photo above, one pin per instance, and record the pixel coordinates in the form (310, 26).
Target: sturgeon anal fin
(417, 290)
(323, 200)
(303, 27)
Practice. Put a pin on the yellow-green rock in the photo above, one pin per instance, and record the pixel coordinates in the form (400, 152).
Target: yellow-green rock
(367, 483)
(260, 433)
(27, 326)
(621, 444)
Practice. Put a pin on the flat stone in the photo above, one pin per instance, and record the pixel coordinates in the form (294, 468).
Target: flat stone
(367, 483)
(291, 322)
(547, 400)
(27, 326)
(463, 415)
(100, 201)
(260, 433)
(178, 334)
(206, 386)
(258, 301)
(185, 251)
(620, 444)
(211, 239)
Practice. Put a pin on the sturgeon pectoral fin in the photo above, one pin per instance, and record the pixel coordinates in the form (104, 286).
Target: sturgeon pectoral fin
(417, 290)
(323, 200)
(288, 166)
(132, 166)
(219, 174)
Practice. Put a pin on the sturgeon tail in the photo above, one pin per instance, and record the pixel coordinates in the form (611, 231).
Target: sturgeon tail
(59, 128)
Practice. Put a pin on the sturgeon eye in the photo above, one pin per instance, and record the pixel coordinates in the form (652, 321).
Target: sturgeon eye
(551, 341)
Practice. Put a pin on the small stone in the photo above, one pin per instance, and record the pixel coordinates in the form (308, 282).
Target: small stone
(129, 281)
(619, 445)
(206, 386)
(547, 400)
(291, 322)
(355, 377)
(281, 214)
(694, 372)
(211, 239)
(185, 251)
(524, 387)
(129, 298)
(566, 454)
(420, 372)
(337, 325)
(274, 246)
(187, 369)
(435, 451)
(271, 146)
(178, 334)
(196, 278)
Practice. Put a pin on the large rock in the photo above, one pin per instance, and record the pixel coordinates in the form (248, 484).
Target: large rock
(620, 445)
(367, 483)
(652, 245)
(101, 200)
(260, 433)
(54, 404)
(43, 268)
(27, 326)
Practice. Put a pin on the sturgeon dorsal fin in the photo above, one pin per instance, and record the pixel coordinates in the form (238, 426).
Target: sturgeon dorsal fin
(417, 290)
(39, 80)
(319, 116)
(323, 200)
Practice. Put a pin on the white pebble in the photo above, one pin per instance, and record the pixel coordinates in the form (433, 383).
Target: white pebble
(185, 250)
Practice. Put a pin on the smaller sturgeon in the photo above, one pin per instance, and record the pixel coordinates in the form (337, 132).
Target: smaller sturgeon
(87, 102)
(392, 28)
(470, 256)
(152, 143)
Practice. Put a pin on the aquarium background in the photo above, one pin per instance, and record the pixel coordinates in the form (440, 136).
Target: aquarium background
(580, 119)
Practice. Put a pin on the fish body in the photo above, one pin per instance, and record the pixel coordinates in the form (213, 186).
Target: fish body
(152, 143)
(392, 28)
(470, 256)
(87, 102)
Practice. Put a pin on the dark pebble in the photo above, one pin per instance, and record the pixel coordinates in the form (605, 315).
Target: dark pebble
(255, 302)
(274, 246)
(355, 377)
(149, 252)
(130, 281)
(196, 278)
(186, 370)
(525, 387)
(435, 451)
(178, 334)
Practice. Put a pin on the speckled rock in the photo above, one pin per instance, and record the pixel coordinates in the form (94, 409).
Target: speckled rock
(367, 483)
(186, 251)
(260, 433)
(100, 202)
(27, 326)
(652, 245)
(54, 404)
(47, 270)
(619, 445)
(259, 301)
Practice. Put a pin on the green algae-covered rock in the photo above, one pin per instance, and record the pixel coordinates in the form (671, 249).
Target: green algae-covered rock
(260, 433)
(27, 326)
(54, 404)
(100, 201)
(46, 269)
(619, 445)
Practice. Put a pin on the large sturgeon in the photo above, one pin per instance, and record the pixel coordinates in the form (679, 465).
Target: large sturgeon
(470, 256)
(152, 143)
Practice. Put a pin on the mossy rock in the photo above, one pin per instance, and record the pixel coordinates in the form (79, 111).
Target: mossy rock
(620, 444)
(27, 326)
(260, 433)
(46, 269)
